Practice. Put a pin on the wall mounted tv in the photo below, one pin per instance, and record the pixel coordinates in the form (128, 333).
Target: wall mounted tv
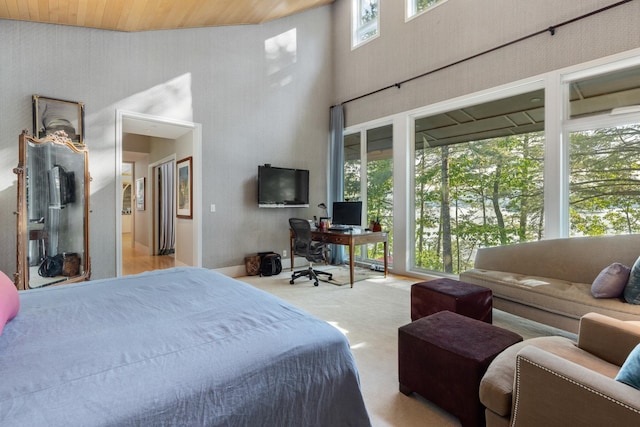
(282, 187)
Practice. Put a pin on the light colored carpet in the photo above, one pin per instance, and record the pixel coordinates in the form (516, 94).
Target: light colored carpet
(341, 275)
(369, 314)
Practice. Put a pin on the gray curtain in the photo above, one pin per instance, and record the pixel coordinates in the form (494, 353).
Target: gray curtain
(166, 233)
(336, 172)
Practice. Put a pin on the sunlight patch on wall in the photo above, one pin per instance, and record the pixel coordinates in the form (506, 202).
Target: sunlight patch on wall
(171, 99)
(281, 54)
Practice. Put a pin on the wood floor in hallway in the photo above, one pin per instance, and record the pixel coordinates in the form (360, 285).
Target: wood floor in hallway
(135, 259)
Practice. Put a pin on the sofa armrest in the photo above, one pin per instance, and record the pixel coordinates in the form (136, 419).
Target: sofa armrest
(551, 391)
(608, 338)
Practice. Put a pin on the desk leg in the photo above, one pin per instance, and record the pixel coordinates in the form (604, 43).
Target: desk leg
(291, 252)
(352, 249)
(385, 258)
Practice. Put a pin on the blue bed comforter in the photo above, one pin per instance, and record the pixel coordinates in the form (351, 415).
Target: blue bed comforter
(185, 346)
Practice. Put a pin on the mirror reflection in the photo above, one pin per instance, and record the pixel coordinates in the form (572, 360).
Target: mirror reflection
(53, 212)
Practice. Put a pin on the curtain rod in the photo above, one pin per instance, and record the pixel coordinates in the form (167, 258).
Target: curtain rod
(551, 30)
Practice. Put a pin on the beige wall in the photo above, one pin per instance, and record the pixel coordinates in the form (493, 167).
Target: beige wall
(136, 149)
(184, 227)
(142, 218)
(458, 29)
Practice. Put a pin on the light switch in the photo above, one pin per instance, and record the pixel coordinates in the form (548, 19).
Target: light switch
(213, 207)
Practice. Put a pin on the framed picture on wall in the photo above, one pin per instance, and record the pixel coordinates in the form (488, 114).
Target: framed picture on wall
(185, 188)
(51, 115)
(140, 194)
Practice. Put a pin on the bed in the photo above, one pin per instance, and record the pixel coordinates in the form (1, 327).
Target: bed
(184, 346)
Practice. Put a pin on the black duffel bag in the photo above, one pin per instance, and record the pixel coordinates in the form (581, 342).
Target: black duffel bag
(270, 263)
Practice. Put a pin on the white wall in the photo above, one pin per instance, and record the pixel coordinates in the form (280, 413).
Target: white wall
(255, 107)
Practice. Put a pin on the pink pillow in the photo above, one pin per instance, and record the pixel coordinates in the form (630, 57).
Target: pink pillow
(9, 300)
(611, 281)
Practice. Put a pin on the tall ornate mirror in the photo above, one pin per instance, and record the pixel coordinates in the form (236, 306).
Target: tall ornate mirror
(53, 212)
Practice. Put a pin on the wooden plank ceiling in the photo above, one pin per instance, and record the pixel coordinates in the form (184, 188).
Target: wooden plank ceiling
(145, 15)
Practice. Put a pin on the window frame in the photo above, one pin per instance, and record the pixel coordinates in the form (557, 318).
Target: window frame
(357, 28)
(412, 12)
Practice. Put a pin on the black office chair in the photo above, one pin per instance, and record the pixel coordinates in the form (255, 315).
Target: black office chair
(304, 246)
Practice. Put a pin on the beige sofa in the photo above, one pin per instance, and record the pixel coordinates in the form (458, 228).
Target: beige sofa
(549, 281)
(553, 381)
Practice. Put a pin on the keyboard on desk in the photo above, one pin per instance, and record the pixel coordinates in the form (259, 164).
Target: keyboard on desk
(340, 228)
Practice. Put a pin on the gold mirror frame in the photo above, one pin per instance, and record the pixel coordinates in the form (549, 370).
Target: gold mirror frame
(76, 264)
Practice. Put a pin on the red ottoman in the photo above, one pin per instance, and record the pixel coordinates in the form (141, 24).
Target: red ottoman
(443, 357)
(447, 294)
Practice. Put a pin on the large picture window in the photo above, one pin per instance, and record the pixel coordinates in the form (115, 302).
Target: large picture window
(604, 153)
(604, 187)
(478, 180)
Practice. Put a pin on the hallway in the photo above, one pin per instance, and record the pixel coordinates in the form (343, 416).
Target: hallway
(136, 260)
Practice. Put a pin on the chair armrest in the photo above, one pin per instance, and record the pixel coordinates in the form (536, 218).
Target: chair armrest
(608, 338)
(551, 391)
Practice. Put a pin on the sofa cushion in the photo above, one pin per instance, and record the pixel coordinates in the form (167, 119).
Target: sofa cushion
(632, 289)
(611, 281)
(630, 370)
(569, 299)
(496, 387)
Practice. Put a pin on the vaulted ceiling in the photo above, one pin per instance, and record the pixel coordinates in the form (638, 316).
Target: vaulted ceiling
(144, 15)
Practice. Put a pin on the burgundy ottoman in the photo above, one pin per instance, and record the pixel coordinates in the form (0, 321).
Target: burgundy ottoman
(453, 295)
(443, 357)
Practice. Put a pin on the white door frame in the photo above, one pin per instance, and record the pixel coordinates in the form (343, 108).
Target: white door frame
(195, 129)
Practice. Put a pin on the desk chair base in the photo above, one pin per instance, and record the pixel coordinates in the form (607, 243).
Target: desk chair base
(310, 273)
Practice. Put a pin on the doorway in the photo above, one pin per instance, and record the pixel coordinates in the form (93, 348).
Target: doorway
(188, 137)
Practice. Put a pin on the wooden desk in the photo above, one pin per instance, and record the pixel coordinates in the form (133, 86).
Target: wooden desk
(351, 239)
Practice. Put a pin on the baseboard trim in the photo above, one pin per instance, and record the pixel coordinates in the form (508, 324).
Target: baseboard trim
(240, 270)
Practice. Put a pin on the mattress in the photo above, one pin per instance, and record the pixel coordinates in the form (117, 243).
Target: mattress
(184, 346)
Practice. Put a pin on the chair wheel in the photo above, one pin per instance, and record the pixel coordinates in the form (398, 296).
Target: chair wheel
(291, 282)
(315, 283)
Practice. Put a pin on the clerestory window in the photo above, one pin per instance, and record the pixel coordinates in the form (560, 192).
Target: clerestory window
(416, 7)
(365, 21)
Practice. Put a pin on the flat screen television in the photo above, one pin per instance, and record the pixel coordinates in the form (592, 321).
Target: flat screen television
(346, 213)
(282, 187)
